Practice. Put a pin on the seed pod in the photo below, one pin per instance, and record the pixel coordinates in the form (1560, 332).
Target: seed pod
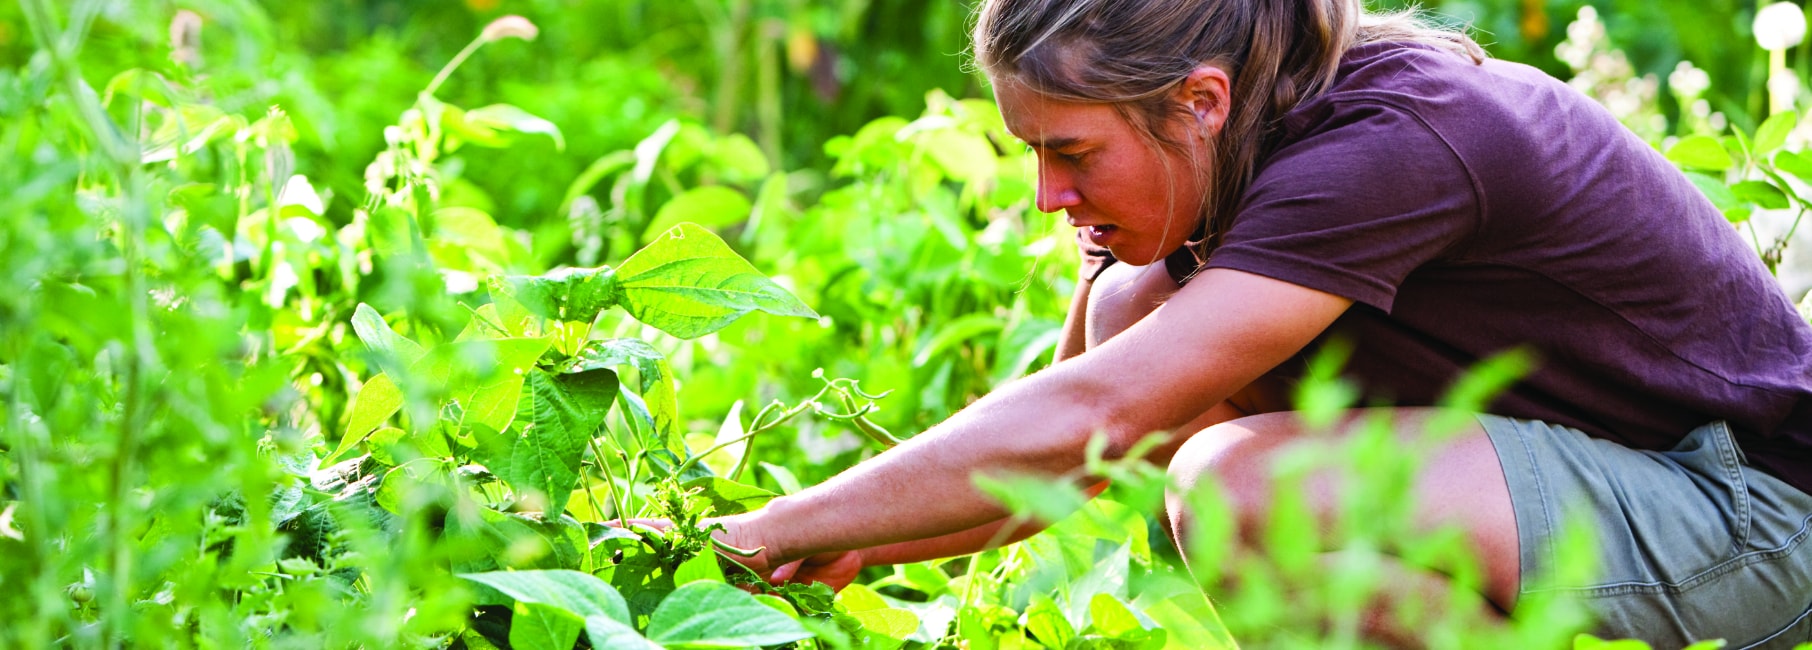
(732, 550)
(874, 431)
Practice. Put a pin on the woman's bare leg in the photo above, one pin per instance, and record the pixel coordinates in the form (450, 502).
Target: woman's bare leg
(1459, 484)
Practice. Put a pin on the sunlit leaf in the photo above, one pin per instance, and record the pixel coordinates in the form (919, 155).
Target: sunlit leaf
(376, 402)
(1772, 134)
(655, 393)
(688, 283)
(716, 615)
(394, 351)
(506, 117)
(729, 497)
(555, 420)
(1700, 152)
(1714, 189)
(573, 295)
(535, 626)
(711, 206)
(606, 632)
(580, 593)
(1761, 193)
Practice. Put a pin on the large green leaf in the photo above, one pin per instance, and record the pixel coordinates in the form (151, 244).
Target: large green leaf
(535, 626)
(555, 419)
(575, 295)
(655, 388)
(582, 594)
(883, 626)
(606, 632)
(483, 375)
(1700, 152)
(688, 283)
(729, 497)
(1772, 134)
(394, 351)
(717, 615)
(376, 402)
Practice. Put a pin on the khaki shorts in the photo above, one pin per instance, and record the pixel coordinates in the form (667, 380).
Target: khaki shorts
(1692, 542)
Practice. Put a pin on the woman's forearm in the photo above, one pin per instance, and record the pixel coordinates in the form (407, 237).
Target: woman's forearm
(992, 535)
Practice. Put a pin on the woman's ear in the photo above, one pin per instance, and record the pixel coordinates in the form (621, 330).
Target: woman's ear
(1207, 93)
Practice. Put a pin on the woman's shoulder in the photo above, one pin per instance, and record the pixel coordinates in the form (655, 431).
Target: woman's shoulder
(1438, 86)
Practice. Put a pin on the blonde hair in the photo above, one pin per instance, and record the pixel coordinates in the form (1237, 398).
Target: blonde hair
(1133, 53)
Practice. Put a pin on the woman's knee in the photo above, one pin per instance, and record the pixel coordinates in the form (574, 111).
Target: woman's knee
(1234, 457)
(1122, 295)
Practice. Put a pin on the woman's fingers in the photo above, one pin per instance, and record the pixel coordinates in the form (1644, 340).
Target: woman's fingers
(786, 572)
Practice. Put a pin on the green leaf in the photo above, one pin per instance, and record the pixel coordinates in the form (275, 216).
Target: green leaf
(1589, 642)
(964, 156)
(886, 626)
(394, 232)
(1714, 189)
(1772, 134)
(189, 129)
(505, 117)
(582, 594)
(483, 376)
(656, 391)
(1760, 193)
(739, 157)
(555, 419)
(789, 484)
(376, 402)
(729, 497)
(535, 626)
(688, 283)
(143, 84)
(1738, 215)
(394, 350)
(1046, 499)
(1795, 163)
(605, 632)
(701, 567)
(711, 206)
(1700, 152)
(717, 615)
(571, 295)
(1046, 622)
(1111, 617)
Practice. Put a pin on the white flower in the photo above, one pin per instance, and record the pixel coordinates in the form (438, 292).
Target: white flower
(459, 282)
(1688, 80)
(1779, 26)
(514, 26)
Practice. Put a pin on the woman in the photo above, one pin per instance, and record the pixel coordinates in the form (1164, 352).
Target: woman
(1363, 177)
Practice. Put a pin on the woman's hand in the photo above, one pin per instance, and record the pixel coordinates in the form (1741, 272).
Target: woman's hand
(836, 569)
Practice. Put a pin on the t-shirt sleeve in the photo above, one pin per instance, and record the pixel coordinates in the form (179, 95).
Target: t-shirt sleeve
(1354, 207)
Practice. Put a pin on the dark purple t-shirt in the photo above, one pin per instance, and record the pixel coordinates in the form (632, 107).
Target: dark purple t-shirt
(1471, 209)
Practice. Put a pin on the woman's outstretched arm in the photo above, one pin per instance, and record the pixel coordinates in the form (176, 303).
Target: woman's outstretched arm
(1146, 379)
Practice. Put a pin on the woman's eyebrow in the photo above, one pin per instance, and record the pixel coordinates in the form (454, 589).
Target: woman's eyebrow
(1054, 143)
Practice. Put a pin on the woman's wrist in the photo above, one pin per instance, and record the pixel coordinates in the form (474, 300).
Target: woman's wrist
(760, 530)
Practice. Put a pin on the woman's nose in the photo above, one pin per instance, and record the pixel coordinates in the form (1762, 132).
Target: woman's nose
(1056, 193)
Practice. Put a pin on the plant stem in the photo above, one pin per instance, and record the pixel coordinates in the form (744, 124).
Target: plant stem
(447, 70)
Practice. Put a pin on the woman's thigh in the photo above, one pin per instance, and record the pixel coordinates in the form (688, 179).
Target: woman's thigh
(1458, 483)
(1691, 542)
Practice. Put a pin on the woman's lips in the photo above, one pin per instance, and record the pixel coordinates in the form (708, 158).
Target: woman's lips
(1102, 235)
